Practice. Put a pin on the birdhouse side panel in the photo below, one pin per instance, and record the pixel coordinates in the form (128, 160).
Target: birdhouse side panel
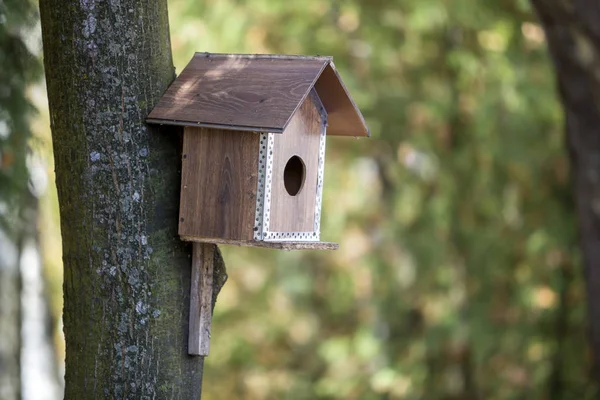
(297, 175)
(218, 184)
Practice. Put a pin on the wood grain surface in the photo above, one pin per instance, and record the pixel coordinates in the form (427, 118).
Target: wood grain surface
(301, 138)
(257, 93)
(201, 293)
(268, 245)
(343, 116)
(239, 91)
(218, 183)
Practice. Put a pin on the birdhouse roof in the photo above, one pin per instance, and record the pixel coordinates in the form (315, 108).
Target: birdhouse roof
(257, 93)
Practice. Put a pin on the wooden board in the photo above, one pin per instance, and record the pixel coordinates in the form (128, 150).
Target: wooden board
(268, 245)
(218, 183)
(201, 294)
(301, 138)
(343, 116)
(239, 91)
(255, 93)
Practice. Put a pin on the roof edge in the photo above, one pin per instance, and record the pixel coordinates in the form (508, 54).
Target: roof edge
(358, 112)
(311, 87)
(329, 85)
(214, 126)
(264, 56)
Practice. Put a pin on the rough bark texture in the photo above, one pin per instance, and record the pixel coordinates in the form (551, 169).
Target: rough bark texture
(573, 33)
(127, 274)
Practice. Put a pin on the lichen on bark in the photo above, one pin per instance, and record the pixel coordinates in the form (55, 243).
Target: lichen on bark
(127, 274)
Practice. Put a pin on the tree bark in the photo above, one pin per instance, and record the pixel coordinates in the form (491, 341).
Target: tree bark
(127, 274)
(573, 34)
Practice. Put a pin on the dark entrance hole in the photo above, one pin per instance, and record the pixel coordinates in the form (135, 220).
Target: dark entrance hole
(293, 175)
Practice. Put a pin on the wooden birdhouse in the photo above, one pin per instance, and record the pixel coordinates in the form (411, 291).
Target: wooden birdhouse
(254, 145)
(253, 157)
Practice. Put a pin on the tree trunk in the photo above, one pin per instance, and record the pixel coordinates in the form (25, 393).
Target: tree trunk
(573, 34)
(127, 274)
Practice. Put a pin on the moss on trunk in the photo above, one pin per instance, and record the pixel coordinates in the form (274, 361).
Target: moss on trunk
(127, 274)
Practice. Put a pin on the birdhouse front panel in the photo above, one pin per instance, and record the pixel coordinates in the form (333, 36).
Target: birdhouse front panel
(293, 177)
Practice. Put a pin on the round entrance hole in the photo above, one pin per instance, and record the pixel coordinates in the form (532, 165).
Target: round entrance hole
(293, 175)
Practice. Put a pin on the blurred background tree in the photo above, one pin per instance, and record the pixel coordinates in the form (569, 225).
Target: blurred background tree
(28, 368)
(574, 42)
(458, 274)
(18, 66)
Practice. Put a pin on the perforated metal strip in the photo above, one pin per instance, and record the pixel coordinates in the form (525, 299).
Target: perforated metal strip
(265, 178)
(321, 172)
(260, 190)
(268, 183)
(291, 237)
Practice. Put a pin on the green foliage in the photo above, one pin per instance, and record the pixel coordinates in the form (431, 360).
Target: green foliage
(458, 275)
(18, 70)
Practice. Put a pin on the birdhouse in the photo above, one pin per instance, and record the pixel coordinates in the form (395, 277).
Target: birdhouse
(254, 146)
(254, 130)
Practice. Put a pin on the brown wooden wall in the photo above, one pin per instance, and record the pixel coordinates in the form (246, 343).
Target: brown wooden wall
(218, 183)
(301, 138)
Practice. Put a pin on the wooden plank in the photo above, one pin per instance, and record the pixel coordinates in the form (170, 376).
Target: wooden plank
(201, 293)
(301, 138)
(256, 92)
(215, 126)
(343, 116)
(299, 57)
(218, 183)
(239, 90)
(268, 245)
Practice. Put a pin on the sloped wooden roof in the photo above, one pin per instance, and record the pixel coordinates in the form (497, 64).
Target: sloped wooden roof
(256, 93)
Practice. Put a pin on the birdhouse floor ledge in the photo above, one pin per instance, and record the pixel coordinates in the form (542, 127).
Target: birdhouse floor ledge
(268, 245)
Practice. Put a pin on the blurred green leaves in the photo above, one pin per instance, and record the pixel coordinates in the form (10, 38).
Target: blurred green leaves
(458, 273)
(19, 68)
